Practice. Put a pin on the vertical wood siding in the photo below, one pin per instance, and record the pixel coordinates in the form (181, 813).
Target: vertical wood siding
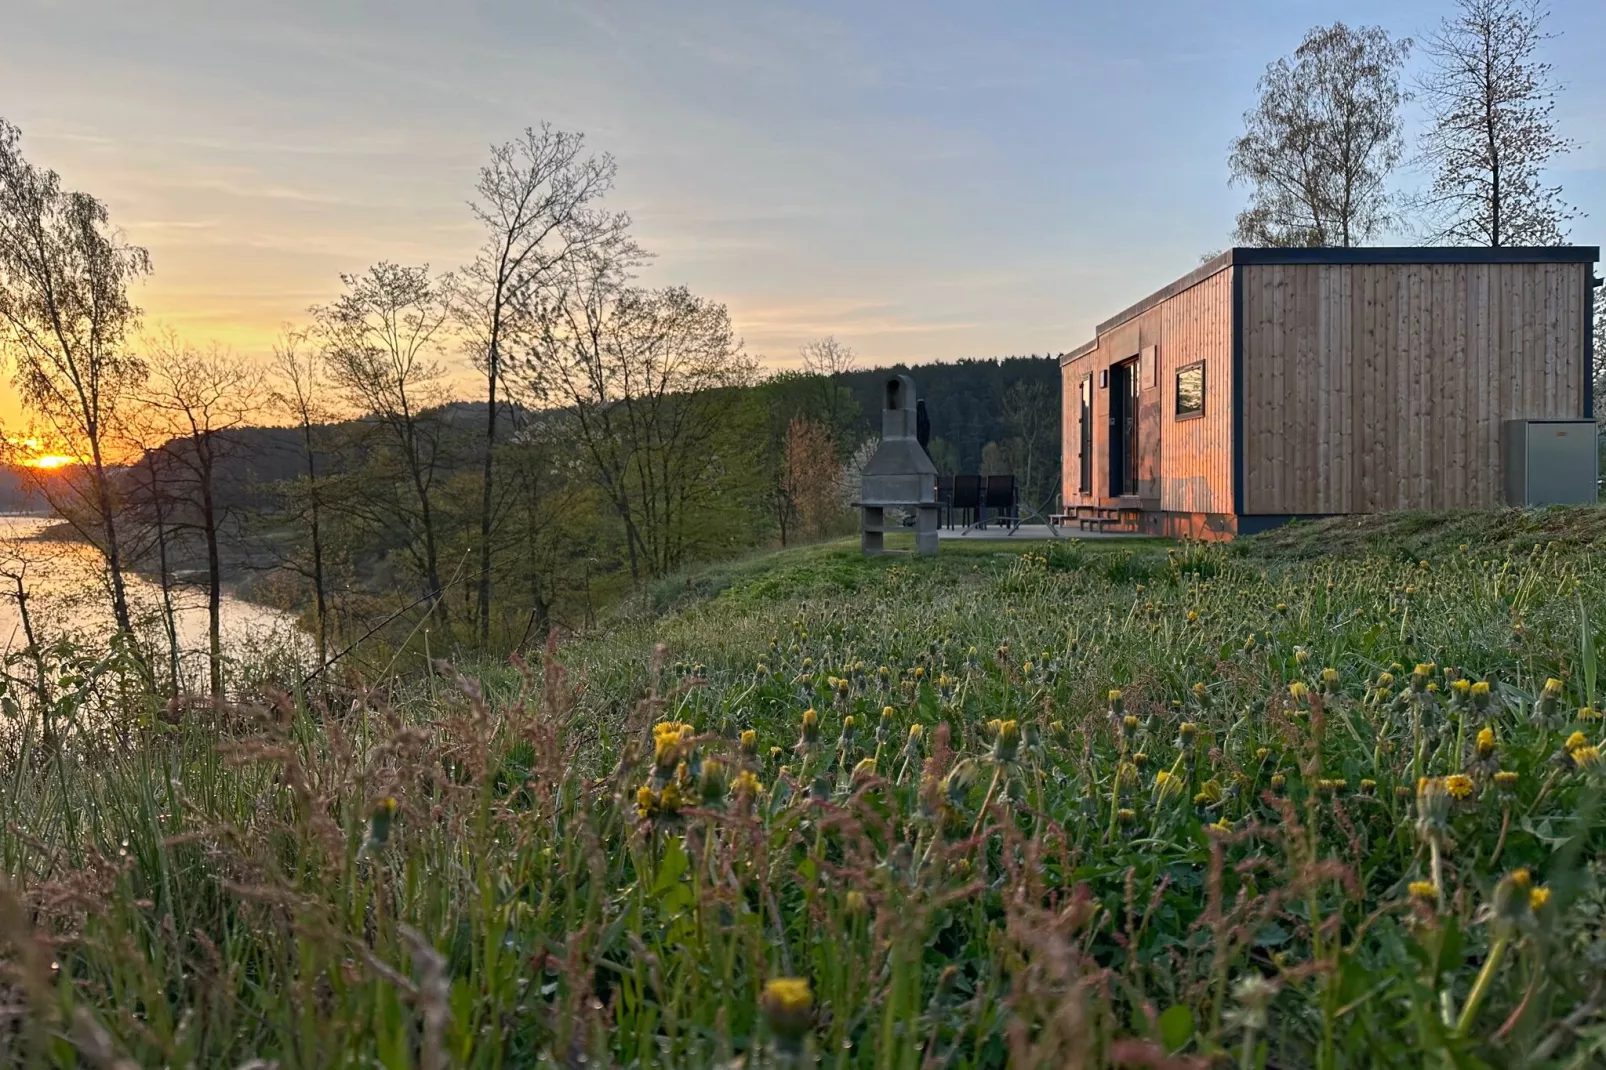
(1375, 387)
(1183, 465)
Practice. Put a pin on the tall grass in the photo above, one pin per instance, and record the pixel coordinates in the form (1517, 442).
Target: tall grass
(1080, 807)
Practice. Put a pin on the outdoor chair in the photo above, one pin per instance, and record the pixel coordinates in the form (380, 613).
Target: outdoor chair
(966, 499)
(945, 498)
(999, 499)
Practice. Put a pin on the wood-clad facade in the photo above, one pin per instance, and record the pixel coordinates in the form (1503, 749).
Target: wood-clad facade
(1273, 383)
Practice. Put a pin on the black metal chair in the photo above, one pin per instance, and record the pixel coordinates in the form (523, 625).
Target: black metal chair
(966, 499)
(945, 498)
(999, 499)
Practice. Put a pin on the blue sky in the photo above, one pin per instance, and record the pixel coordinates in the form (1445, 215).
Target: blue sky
(922, 180)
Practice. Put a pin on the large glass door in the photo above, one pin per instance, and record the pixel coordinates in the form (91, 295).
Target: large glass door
(1124, 387)
(1085, 484)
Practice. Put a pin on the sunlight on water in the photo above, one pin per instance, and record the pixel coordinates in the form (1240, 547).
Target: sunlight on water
(68, 597)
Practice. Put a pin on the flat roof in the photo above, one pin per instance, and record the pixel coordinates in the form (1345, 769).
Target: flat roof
(1384, 254)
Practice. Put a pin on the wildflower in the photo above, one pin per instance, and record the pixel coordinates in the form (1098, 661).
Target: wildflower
(1116, 703)
(1199, 691)
(1511, 898)
(856, 904)
(917, 732)
(1209, 794)
(380, 821)
(1460, 691)
(745, 787)
(1458, 785)
(788, 1006)
(775, 754)
(1385, 679)
(1262, 753)
(1129, 726)
(1576, 740)
(1298, 690)
(1185, 733)
(1545, 711)
(1166, 785)
(646, 802)
(1253, 994)
(1538, 898)
(1584, 757)
(713, 782)
(1059, 733)
(1330, 787)
(811, 728)
(1420, 676)
(864, 770)
(1126, 817)
(1330, 680)
(1485, 742)
(1423, 891)
(1006, 741)
(749, 743)
(1281, 607)
(1433, 810)
(1589, 713)
(883, 728)
(1221, 824)
(847, 732)
(1279, 783)
(1193, 616)
(1480, 695)
(1368, 787)
(1505, 780)
(1301, 655)
(1140, 760)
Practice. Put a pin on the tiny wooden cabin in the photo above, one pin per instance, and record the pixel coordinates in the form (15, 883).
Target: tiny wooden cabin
(1278, 383)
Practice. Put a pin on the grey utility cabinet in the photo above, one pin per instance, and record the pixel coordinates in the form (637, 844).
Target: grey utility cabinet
(1551, 462)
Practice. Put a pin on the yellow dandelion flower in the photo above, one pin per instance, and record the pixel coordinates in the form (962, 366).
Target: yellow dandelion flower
(855, 903)
(1423, 891)
(749, 742)
(1576, 740)
(646, 802)
(788, 1004)
(1584, 757)
(1538, 898)
(745, 785)
(1458, 785)
(1298, 690)
(865, 768)
(1505, 780)
(1552, 688)
(1480, 689)
(1521, 878)
(1485, 742)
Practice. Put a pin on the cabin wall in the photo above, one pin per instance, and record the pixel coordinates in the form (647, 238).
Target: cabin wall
(1184, 466)
(1370, 387)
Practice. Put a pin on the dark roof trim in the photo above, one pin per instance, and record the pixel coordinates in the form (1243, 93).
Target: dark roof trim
(1396, 254)
(1423, 254)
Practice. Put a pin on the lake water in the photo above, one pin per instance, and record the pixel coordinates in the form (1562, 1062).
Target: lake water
(68, 596)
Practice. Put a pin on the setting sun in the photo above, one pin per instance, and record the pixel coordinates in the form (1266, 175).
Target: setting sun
(50, 460)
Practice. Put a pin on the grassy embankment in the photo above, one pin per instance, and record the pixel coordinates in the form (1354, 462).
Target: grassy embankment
(1308, 800)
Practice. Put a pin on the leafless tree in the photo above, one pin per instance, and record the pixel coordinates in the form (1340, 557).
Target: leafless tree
(300, 390)
(536, 201)
(199, 395)
(1318, 147)
(382, 341)
(1033, 416)
(641, 373)
(1491, 129)
(65, 318)
(829, 361)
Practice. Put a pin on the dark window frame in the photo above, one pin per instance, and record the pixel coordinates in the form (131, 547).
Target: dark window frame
(1085, 436)
(1176, 400)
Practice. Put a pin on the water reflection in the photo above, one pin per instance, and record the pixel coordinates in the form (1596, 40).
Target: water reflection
(68, 598)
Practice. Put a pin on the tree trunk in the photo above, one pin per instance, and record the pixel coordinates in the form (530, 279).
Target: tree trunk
(214, 585)
(485, 491)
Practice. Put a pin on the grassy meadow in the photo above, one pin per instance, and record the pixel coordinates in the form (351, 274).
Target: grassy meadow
(1326, 798)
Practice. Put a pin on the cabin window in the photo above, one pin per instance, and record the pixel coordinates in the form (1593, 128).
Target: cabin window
(1191, 391)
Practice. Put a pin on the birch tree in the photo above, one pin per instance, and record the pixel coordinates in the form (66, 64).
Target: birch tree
(382, 340)
(641, 374)
(1491, 129)
(1320, 143)
(536, 203)
(65, 321)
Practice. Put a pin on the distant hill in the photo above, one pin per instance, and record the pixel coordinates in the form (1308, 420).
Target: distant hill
(15, 494)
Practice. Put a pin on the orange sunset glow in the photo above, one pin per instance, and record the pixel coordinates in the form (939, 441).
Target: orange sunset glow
(50, 460)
